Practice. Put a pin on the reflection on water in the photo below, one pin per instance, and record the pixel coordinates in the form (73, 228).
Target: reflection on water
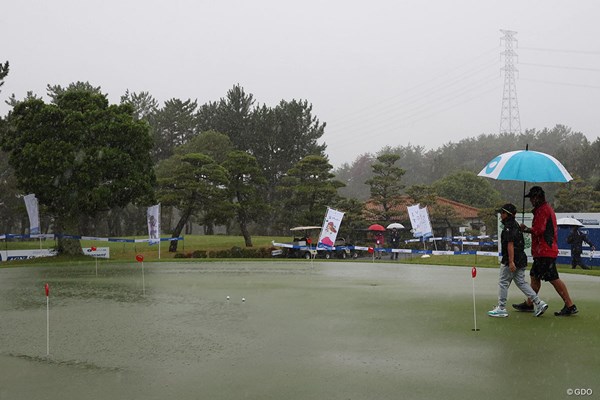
(70, 363)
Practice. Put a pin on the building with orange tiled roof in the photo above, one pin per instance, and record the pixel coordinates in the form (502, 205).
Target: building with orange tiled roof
(447, 216)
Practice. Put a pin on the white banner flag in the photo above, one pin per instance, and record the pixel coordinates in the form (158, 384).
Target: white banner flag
(419, 219)
(154, 222)
(331, 226)
(31, 202)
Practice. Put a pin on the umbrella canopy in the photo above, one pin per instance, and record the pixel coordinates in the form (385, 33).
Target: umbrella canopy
(525, 165)
(395, 225)
(304, 228)
(376, 227)
(568, 222)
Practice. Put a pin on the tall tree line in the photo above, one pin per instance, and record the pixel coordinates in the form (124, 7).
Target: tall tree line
(426, 167)
(242, 175)
(234, 162)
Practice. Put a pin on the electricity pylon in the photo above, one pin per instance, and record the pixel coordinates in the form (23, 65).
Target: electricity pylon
(510, 121)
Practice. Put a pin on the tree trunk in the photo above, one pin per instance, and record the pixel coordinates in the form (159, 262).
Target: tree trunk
(67, 226)
(177, 231)
(245, 233)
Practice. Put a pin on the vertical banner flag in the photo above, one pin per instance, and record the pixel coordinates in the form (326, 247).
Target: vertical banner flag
(331, 226)
(419, 219)
(31, 202)
(154, 223)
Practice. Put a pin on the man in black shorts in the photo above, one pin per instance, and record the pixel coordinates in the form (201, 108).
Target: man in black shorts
(544, 249)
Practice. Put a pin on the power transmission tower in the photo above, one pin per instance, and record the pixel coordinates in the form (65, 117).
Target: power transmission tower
(510, 121)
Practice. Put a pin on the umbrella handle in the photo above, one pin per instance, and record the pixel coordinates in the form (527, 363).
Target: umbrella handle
(523, 213)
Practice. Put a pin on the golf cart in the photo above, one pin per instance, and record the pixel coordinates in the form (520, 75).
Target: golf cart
(302, 245)
(343, 249)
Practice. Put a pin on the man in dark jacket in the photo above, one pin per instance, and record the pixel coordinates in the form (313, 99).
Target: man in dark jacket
(576, 239)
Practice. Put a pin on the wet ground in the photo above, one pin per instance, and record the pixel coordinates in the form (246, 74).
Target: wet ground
(322, 330)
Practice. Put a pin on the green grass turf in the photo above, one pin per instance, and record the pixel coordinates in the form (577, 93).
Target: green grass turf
(318, 330)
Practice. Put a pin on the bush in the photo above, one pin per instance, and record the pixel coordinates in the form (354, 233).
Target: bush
(234, 252)
(199, 254)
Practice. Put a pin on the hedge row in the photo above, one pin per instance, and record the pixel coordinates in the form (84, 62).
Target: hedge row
(234, 252)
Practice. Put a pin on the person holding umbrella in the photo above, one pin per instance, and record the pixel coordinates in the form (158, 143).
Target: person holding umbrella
(544, 249)
(514, 262)
(576, 239)
(379, 243)
(395, 241)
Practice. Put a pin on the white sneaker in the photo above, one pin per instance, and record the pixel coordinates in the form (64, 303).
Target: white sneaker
(499, 312)
(540, 308)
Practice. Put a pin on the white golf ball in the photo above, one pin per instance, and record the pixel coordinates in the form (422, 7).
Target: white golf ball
(227, 297)
(243, 299)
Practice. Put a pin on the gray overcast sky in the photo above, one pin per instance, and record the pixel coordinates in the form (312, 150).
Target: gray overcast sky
(384, 72)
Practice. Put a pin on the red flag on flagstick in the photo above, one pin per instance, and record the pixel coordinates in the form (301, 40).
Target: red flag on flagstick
(93, 248)
(139, 258)
(370, 250)
(47, 288)
(473, 272)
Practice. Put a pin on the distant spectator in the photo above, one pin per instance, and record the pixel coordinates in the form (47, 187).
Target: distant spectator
(576, 239)
(379, 243)
(395, 242)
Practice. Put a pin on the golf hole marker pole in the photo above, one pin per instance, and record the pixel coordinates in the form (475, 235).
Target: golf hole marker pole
(47, 289)
(96, 257)
(140, 258)
(473, 275)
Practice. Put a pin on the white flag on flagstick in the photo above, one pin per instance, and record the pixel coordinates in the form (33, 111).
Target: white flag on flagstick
(31, 203)
(154, 222)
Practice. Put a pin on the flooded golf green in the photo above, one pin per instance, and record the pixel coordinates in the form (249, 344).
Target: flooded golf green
(322, 330)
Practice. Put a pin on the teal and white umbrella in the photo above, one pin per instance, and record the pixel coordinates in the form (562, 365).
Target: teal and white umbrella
(526, 166)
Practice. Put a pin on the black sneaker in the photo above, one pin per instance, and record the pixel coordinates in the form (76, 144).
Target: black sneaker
(566, 311)
(523, 307)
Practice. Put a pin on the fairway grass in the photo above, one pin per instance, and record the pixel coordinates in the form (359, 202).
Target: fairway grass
(307, 330)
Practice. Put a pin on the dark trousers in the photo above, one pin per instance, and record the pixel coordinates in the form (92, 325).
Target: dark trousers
(576, 260)
(395, 255)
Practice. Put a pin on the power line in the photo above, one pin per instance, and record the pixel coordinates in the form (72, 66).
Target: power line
(382, 107)
(595, 53)
(561, 67)
(561, 83)
(413, 103)
(412, 113)
(410, 119)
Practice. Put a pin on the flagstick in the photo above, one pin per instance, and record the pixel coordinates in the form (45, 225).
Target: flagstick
(47, 320)
(47, 326)
(140, 258)
(474, 308)
(96, 266)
